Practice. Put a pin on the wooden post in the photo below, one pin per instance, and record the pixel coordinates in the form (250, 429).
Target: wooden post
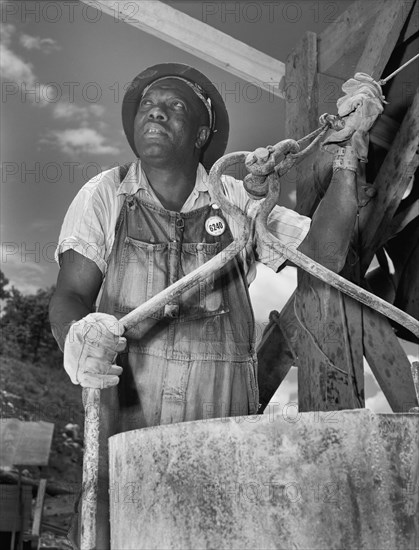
(329, 347)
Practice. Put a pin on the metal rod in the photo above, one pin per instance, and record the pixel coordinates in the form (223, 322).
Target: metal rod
(383, 81)
(326, 275)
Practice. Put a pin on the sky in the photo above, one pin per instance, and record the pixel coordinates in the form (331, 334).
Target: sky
(64, 68)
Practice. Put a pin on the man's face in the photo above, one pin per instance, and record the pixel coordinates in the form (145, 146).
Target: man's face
(171, 124)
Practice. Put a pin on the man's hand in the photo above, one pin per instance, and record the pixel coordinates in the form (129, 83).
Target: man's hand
(359, 109)
(90, 350)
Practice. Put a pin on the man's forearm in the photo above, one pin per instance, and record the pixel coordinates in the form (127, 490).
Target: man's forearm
(333, 222)
(64, 309)
(78, 284)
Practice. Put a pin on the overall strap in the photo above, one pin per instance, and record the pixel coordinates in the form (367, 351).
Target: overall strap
(123, 171)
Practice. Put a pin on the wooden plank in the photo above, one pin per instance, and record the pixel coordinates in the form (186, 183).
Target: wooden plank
(350, 30)
(320, 385)
(283, 345)
(383, 131)
(383, 37)
(412, 25)
(330, 373)
(407, 295)
(15, 509)
(388, 362)
(25, 443)
(391, 183)
(39, 508)
(301, 87)
(375, 23)
(329, 351)
(53, 488)
(301, 114)
(200, 39)
(401, 220)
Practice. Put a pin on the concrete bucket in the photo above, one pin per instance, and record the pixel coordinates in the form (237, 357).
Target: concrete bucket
(328, 480)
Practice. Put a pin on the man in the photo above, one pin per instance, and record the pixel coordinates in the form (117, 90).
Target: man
(130, 233)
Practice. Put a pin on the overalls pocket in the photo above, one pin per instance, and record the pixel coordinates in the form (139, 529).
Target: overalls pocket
(132, 290)
(209, 297)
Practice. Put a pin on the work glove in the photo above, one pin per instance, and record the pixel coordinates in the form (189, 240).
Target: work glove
(359, 109)
(90, 351)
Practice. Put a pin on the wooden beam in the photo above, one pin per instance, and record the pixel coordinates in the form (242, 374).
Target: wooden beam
(363, 37)
(39, 509)
(328, 347)
(200, 39)
(400, 221)
(383, 131)
(302, 113)
(349, 32)
(412, 25)
(383, 37)
(388, 361)
(391, 183)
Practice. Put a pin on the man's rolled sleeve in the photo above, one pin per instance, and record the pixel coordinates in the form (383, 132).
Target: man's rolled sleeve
(83, 230)
(89, 250)
(289, 228)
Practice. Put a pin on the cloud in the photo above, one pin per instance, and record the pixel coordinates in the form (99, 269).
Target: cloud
(21, 77)
(19, 72)
(25, 256)
(22, 265)
(374, 397)
(378, 403)
(46, 45)
(411, 349)
(23, 285)
(6, 32)
(96, 110)
(74, 141)
(285, 399)
(70, 111)
(271, 290)
(13, 68)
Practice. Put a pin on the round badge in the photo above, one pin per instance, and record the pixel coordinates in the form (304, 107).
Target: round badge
(215, 226)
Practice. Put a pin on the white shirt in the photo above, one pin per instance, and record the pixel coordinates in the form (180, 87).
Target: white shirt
(89, 224)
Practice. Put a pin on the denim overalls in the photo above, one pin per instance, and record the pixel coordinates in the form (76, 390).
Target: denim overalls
(193, 359)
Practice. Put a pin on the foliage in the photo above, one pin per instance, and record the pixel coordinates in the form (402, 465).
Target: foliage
(41, 392)
(35, 387)
(3, 282)
(25, 328)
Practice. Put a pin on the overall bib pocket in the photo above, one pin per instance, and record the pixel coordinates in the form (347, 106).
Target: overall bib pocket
(209, 297)
(134, 290)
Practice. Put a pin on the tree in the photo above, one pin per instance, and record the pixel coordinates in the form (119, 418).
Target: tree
(4, 294)
(26, 329)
